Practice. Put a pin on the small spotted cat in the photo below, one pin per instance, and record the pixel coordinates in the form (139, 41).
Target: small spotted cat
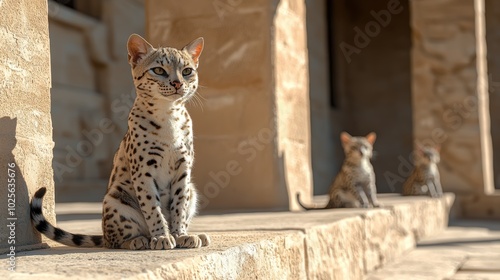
(150, 199)
(425, 179)
(354, 186)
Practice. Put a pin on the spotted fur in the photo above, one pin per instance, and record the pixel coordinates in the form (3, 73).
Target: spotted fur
(354, 186)
(425, 178)
(150, 199)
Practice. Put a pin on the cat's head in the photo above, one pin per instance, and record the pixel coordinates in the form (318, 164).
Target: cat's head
(164, 73)
(426, 154)
(357, 148)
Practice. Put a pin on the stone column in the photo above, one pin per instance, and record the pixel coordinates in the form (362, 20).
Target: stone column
(252, 128)
(26, 129)
(450, 91)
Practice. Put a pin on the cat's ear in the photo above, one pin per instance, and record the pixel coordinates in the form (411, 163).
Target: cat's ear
(194, 49)
(137, 48)
(345, 138)
(371, 137)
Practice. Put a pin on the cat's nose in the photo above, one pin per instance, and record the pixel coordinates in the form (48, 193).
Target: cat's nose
(176, 84)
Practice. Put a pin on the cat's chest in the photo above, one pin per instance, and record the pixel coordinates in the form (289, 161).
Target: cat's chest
(362, 172)
(167, 127)
(428, 172)
(163, 141)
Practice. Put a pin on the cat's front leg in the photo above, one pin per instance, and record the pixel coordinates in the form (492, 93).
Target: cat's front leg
(432, 188)
(182, 209)
(439, 188)
(362, 197)
(372, 195)
(150, 206)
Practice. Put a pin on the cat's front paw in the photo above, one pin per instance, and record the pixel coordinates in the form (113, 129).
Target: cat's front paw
(189, 241)
(378, 205)
(139, 243)
(205, 239)
(164, 242)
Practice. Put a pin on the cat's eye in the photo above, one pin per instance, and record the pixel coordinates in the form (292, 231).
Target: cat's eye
(159, 71)
(187, 71)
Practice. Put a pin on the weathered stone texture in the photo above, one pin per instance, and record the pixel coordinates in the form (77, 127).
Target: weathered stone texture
(291, 97)
(450, 103)
(252, 128)
(26, 128)
(336, 251)
(326, 244)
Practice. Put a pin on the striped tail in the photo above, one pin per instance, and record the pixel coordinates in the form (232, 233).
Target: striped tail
(315, 207)
(57, 234)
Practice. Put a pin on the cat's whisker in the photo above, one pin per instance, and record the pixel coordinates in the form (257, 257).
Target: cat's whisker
(198, 99)
(200, 96)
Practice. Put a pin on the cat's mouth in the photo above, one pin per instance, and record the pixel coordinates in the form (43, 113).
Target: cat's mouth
(175, 93)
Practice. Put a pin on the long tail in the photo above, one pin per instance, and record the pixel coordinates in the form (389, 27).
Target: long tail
(315, 207)
(57, 234)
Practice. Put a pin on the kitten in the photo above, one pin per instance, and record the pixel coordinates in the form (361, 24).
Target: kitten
(354, 186)
(150, 199)
(424, 179)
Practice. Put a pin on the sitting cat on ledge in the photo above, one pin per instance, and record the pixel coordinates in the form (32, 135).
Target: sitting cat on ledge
(150, 199)
(354, 186)
(425, 178)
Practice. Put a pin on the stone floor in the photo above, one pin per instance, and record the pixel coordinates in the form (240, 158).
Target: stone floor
(328, 244)
(466, 250)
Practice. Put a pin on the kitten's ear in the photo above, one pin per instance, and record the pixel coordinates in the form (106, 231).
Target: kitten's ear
(371, 137)
(137, 48)
(345, 138)
(194, 49)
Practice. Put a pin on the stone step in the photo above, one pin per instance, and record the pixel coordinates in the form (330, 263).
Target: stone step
(325, 244)
(422, 264)
(465, 250)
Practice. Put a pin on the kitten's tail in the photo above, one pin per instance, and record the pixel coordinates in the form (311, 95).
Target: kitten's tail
(315, 207)
(57, 234)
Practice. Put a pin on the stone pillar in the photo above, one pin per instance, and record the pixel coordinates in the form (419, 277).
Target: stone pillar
(450, 91)
(252, 132)
(26, 129)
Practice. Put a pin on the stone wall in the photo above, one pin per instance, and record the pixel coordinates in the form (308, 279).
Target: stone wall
(92, 91)
(252, 132)
(26, 128)
(80, 156)
(450, 98)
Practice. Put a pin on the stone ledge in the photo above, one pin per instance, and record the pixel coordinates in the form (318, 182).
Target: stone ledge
(327, 244)
(480, 206)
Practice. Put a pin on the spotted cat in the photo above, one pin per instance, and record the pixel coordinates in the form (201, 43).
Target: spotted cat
(150, 199)
(424, 179)
(354, 186)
